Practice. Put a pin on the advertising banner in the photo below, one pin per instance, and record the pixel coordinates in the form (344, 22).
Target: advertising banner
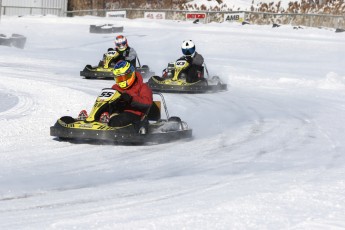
(235, 17)
(194, 16)
(154, 15)
(116, 14)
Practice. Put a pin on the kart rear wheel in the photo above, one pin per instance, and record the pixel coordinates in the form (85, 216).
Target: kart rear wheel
(177, 119)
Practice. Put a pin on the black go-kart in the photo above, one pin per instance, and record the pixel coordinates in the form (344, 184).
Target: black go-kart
(105, 29)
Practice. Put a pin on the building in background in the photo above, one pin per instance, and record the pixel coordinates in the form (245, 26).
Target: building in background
(33, 7)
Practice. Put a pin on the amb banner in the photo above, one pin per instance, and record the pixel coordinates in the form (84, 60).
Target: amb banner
(154, 15)
(235, 17)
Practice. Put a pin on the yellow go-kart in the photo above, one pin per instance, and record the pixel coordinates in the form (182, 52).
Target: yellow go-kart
(151, 129)
(175, 81)
(105, 70)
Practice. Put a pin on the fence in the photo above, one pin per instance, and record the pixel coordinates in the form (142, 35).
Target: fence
(311, 20)
(261, 18)
(33, 7)
(25, 10)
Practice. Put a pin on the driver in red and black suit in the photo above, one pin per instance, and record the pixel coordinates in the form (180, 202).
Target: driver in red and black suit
(136, 96)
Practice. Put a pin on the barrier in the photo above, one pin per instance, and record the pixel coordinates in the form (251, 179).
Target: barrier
(260, 18)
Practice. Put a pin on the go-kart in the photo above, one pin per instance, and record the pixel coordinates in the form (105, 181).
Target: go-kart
(150, 129)
(16, 40)
(105, 29)
(105, 71)
(174, 80)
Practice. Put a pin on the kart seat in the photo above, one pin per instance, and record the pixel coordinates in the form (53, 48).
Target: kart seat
(200, 72)
(154, 113)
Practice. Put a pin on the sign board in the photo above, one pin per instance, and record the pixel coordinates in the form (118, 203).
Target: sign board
(235, 17)
(194, 16)
(154, 15)
(116, 14)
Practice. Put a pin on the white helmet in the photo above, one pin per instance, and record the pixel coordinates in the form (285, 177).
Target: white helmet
(188, 47)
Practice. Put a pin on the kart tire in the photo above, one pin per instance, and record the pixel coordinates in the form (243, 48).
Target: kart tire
(67, 119)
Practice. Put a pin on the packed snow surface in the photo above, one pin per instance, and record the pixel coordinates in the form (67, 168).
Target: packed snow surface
(266, 154)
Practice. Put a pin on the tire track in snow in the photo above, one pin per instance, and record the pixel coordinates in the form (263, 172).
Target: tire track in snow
(39, 105)
(24, 106)
(259, 135)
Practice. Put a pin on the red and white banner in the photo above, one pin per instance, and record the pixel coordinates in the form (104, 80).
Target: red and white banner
(195, 16)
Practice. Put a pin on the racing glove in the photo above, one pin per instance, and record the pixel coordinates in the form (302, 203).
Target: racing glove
(189, 59)
(121, 104)
(125, 97)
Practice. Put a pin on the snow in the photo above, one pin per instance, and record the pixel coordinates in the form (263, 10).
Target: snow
(266, 154)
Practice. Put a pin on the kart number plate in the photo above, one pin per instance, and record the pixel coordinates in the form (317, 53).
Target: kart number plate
(111, 53)
(106, 94)
(180, 63)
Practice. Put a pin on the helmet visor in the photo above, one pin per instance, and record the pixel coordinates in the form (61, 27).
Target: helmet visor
(188, 51)
(124, 77)
(120, 43)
